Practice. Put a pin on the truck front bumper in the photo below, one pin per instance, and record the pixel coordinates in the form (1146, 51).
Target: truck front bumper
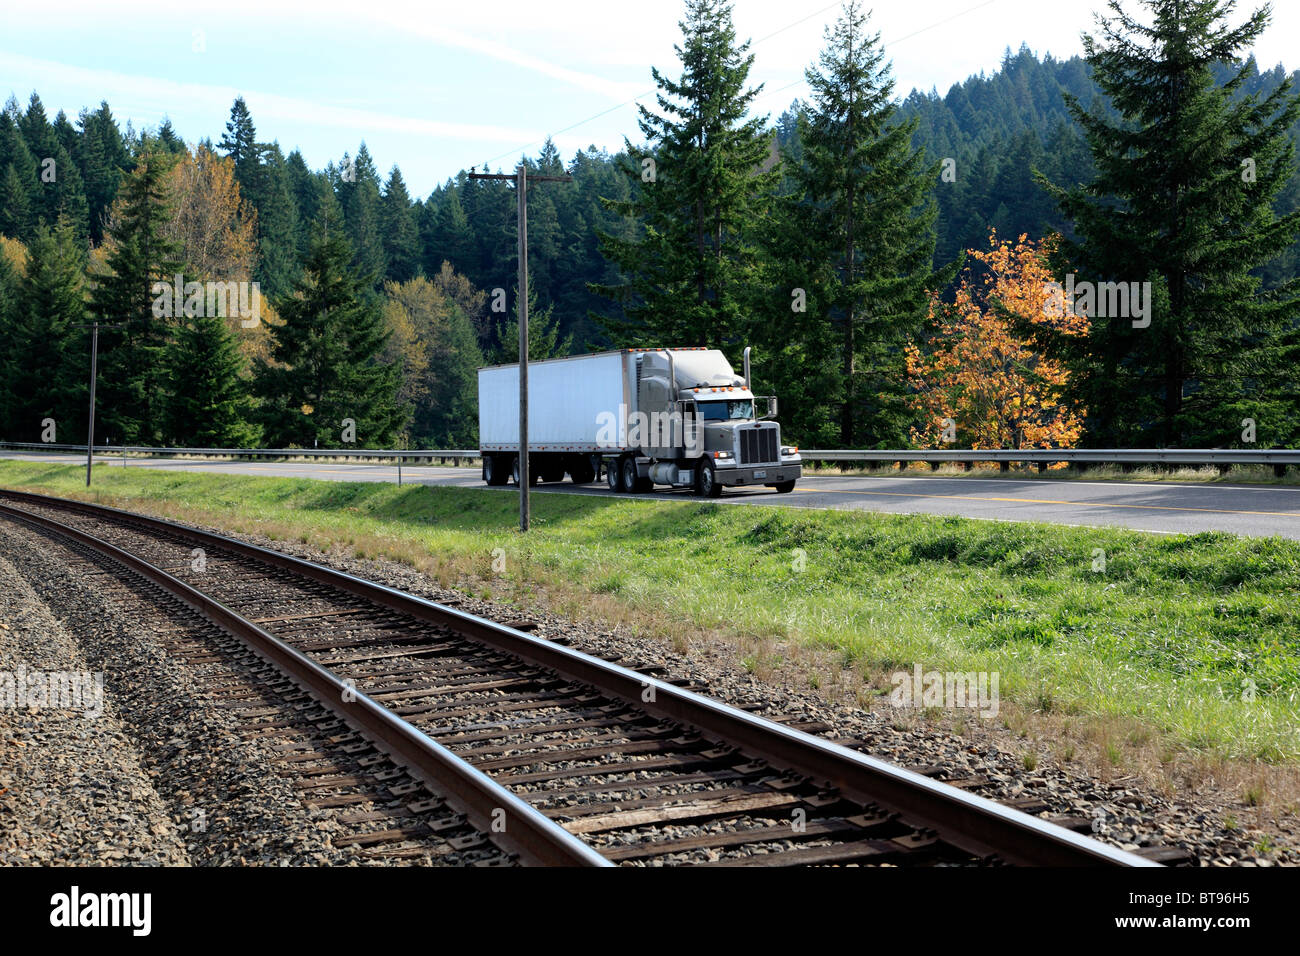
(758, 474)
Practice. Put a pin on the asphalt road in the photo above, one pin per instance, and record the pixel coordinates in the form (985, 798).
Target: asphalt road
(1255, 511)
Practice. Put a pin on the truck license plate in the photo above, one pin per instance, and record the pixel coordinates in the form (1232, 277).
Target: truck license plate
(760, 474)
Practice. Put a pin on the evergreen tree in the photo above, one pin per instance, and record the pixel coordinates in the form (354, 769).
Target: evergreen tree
(326, 351)
(450, 239)
(277, 223)
(15, 205)
(401, 237)
(544, 338)
(169, 139)
(9, 278)
(240, 142)
(856, 238)
(305, 190)
(46, 363)
(358, 194)
(449, 414)
(103, 159)
(1182, 198)
(701, 194)
(209, 405)
(131, 391)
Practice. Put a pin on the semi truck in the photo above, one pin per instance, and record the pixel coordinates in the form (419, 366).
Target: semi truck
(679, 417)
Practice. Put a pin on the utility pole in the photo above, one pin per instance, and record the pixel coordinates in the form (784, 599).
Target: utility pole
(522, 178)
(94, 374)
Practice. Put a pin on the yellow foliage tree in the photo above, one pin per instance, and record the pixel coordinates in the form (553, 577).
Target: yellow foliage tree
(15, 252)
(979, 375)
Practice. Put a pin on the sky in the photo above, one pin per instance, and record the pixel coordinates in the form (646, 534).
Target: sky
(437, 86)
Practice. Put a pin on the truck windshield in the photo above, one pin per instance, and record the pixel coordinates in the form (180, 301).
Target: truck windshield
(742, 409)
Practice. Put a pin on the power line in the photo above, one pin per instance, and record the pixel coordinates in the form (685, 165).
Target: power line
(892, 43)
(639, 96)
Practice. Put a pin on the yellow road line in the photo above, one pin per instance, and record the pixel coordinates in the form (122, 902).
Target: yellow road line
(1048, 501)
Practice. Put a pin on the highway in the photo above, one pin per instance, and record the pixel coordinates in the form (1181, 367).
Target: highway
(1170, 508)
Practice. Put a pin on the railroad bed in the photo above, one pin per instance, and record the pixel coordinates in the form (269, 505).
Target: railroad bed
(448, 731)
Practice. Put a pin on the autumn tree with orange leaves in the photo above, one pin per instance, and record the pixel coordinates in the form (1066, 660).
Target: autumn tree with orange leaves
(997, 391)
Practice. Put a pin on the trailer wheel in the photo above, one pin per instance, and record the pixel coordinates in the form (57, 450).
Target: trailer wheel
(494, 473)
(612, 474)
(514, 472)
(706, 481)
(582, 474)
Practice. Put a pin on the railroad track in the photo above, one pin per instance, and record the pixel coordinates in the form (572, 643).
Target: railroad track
(561, 757)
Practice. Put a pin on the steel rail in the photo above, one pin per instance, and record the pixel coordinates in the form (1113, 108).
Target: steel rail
(514, 824)
(972, 823)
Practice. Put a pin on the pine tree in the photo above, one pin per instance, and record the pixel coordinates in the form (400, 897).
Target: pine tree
(701, 195)
(277, 223)
(326, 353)
(131, 391)
(169, 139)
(46, 363)
(358, 195)
(15, 205)
(451, 239)
(401, 238)
(306, 190)
(208, 402)
(544, 339)
(9, 315)
(855, 241)
(103, 159)
(1182, 199)
(240, 142)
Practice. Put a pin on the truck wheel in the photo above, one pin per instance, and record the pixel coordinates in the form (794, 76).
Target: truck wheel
(514, 472)
(706, 481)
(494, 473)
(784, 487)
(631, 483)
(613, 474)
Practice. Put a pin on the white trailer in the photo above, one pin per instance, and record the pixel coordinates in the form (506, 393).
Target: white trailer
(679, 417)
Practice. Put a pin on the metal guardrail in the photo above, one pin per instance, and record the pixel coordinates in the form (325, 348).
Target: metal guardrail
(1170, 456)
(1279, 458)
(406, 455)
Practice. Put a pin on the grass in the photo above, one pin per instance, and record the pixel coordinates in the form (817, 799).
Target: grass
(1184, 645)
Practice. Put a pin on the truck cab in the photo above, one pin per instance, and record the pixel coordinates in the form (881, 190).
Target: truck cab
(698, 424)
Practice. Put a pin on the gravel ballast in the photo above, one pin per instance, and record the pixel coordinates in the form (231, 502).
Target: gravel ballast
(1126, 812)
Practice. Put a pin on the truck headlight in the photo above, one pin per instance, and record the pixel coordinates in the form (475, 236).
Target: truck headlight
(722, 454)
(788, 451)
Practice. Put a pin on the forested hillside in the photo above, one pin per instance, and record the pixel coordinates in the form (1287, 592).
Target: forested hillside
(93, 214)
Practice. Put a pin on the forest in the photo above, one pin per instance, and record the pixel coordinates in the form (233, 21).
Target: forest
(890, 258)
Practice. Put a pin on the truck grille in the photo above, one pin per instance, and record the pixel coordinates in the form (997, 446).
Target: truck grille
(757, 446)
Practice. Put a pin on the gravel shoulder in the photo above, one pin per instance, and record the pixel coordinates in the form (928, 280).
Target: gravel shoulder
(162, 777)
(73, 785)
